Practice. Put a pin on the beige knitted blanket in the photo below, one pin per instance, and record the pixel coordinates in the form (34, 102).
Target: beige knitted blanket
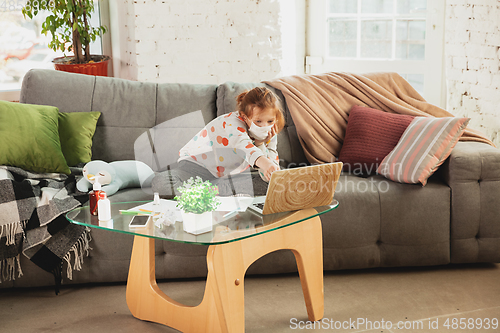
(320, 105)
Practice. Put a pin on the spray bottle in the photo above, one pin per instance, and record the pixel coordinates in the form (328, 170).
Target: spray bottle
(94, 195)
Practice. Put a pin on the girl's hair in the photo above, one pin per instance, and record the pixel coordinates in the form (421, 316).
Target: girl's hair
(263, 98)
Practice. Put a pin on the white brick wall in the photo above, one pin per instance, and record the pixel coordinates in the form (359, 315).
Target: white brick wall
(472, 63)
(205, 41)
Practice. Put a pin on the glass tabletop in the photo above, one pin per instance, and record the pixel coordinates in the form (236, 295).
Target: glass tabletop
(226, 226)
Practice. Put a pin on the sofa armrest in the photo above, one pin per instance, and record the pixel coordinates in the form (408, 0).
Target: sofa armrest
(473, 173)
(472, 161)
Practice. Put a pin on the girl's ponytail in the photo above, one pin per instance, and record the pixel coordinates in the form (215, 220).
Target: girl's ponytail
(241, 97)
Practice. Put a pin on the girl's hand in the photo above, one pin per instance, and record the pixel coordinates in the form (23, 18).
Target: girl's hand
(266, 166)
(271, 133)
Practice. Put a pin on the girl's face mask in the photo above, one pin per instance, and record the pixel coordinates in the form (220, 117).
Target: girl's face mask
(259, 133)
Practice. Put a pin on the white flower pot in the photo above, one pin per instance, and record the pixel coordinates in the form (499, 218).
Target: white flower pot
(197, 223)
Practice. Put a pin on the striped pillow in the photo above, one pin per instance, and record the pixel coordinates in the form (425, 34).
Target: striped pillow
(423, 147)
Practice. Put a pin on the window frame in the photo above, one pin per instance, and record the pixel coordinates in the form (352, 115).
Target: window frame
(317, 60)
(14, 95)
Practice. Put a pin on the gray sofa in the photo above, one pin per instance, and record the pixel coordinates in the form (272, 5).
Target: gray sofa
(455, 218)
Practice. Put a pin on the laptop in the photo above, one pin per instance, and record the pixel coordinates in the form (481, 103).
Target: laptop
(299, 188)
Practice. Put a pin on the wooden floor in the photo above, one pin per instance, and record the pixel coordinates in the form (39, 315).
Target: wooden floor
(276, 303)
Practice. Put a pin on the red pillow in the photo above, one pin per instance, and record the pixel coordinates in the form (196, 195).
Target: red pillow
(370, 135)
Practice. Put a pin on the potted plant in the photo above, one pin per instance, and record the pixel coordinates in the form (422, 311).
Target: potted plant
(197, 202)
(68, 23)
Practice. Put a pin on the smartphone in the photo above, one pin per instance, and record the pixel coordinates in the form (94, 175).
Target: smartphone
(139, 221)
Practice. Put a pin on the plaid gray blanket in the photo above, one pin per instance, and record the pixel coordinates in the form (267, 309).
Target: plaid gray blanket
(32, 222)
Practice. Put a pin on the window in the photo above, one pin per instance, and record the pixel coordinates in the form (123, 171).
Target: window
(361, 36)
(23, 47)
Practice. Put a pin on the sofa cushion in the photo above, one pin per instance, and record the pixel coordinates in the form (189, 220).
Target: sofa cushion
(423, 147)
(128, 110)
(69, 92)
(182, 111)
(380, 223)
(76, 130)
(30, 138)
(172, 113)
(370, 135)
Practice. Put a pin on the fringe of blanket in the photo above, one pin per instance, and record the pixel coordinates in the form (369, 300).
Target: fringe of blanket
(80, 250)
(10, 230)
(9, 267)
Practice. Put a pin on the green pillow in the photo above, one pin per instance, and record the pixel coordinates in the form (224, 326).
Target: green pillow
(29, 138)
(76, 130)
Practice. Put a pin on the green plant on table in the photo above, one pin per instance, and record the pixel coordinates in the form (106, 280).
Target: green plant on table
(197, 196)
(68, 23)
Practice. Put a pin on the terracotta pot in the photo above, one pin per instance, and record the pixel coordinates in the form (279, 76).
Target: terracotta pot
(99, 67)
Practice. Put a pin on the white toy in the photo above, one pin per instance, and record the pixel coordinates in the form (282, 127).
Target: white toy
(115, 176)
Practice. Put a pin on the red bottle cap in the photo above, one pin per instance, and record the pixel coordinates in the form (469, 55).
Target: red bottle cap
(102, 195)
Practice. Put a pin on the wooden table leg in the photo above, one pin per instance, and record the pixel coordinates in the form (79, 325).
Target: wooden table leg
(146, 301)
(222, 307)
(310, 265)
(227, 264)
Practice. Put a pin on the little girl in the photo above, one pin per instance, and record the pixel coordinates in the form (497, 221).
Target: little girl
(230, 144)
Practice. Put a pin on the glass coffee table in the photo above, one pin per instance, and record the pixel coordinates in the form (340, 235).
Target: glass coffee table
(235, 242)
